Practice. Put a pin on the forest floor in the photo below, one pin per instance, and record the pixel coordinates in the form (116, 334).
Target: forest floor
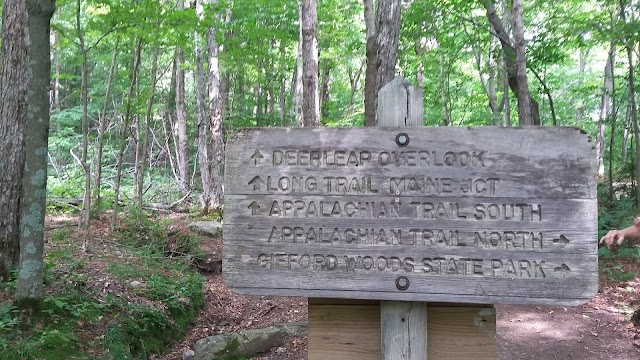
(599, 329)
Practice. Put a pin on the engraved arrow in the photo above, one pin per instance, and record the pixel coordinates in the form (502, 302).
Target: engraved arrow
(254, 207)
(562, 241)
(257, 157)
(563, 270)
(256, 182)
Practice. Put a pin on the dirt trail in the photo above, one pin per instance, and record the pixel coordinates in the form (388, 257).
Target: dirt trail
(599, 329)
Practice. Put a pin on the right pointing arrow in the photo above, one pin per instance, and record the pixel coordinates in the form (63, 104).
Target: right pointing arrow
(562, 241)
(563, 270)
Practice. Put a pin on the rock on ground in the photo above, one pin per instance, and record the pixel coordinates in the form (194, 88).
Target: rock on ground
(207, 228)
(247, 342)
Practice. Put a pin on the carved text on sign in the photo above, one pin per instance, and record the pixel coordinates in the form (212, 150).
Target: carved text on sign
(422, 158)
(483, 215)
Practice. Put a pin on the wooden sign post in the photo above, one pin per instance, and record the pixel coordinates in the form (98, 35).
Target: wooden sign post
(403, 324)
(410, 215)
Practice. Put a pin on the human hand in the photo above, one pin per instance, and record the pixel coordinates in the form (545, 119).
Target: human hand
(615, 236)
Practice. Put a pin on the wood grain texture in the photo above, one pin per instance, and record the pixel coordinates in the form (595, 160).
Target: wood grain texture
(344, 332)
(404, 330)
(482, 215)
(353, 332)
(462, 333)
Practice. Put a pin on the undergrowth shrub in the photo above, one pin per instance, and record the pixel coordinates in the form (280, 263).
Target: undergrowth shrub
(133, 323)
(614, 215)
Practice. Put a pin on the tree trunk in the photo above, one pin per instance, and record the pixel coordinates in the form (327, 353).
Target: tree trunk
(14, 66)
(283, 82)
(85, 214)
(605, 108)
(310, 101)
(382, 52)
(216, 130)
(633, 115)
(370, 88)
(282, 101)
(297, 92)
(203, 123)
(582, 64)
(182, 148)
(505, 67)
(354, 81)
(324, 103)
(143, 132)
(34, 182)
(626, 133)
(388, 38)
(55, 93)
(124, 131)
(547, 92)
(525, 117)
(490, 84)
(444, 96)
(102, 128)
(510, 57)
(506, 97)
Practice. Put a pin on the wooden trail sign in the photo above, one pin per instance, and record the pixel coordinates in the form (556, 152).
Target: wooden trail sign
(474, 215)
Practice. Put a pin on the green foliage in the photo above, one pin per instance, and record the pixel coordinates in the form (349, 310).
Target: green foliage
(61, 234)
(138, 322)
(617, 273)
(148, 329)
(143, 231)
(618, 216)
(8, 319)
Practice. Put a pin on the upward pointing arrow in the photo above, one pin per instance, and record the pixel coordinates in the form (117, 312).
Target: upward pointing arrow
(254, 207)
(256, 182)
(257, 157)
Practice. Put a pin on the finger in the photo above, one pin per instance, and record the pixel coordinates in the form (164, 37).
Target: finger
(610, 238)
(610, 234)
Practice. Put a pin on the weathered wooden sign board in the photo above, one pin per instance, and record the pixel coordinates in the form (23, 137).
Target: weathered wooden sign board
(474, 215)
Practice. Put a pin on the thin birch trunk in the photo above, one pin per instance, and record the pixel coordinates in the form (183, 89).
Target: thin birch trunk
(85, 214)
(444, 97)
(354, 82)
(144, 132)
(216, 130)
(102, 125)
(605, 108)
(633, 113)
(124, 131)
(203, 123)
(55, 92)
(182, 146)
(324, 92)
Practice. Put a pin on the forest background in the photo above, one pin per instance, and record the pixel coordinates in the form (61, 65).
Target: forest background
(143, 93)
